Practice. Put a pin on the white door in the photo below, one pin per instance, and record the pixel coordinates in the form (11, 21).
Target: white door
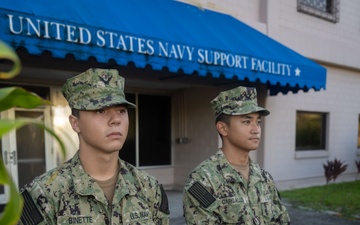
(25, 151)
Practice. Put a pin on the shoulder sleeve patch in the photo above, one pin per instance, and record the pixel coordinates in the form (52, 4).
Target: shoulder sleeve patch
(200, 193)
(30, 214)
(164, 205)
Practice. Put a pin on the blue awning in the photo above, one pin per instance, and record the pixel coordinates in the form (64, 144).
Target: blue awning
(159, 33)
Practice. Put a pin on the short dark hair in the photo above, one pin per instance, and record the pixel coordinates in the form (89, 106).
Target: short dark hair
(75, 113)
(223, 118)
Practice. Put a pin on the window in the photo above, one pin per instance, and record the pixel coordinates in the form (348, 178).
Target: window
(149, 137)
(310, 131)
(358, 142)
(325, 9)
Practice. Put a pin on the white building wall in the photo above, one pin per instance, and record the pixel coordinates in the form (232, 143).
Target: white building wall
(312, 37)
(316, 38)
(337, 47)
(200, 130)
(341, 102)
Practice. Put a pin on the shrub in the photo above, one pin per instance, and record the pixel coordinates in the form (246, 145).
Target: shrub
(333, 169)
(358, 168)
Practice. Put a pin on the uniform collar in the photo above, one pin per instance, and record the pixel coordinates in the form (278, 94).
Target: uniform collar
(85, 185)
(231, 175)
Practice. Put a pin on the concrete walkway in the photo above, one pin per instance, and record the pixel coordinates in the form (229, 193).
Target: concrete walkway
(298, 216)
(175, 204)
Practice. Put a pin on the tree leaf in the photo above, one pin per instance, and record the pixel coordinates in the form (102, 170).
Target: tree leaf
(8, 125)
(9, 54)
(13, 208)
(19, 97)
(15, 97)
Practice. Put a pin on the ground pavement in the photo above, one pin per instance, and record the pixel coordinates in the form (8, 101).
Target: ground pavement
(298, 216)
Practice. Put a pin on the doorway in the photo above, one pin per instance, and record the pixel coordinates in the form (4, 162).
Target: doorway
(27, 151)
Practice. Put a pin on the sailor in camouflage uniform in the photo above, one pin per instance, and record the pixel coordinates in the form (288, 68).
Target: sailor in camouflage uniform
(230, 188)
(96, 186)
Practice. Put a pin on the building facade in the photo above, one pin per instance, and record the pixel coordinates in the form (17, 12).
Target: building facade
(173, 126)
(326, 32)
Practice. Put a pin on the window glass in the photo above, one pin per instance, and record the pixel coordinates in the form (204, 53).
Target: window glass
(128, 151)
(30, 143)
(154, 131)
(321, 5)
(310, 131)
(325, 9)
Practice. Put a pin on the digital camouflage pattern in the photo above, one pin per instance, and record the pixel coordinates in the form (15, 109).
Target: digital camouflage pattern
(68, 195)
(237, 101)
(95, 89)
(235, 200)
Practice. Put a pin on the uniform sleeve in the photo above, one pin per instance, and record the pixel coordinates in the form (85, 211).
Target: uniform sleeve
(37, 209)
(281, 212)
(196, 212)
(283, 217)
(162, 207)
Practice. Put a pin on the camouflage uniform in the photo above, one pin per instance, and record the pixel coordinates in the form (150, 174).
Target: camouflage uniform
(68, 195)
(215, 193)
(237, 101)
(95, 89)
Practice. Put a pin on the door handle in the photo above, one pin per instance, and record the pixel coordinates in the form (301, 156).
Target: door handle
(10, 157)
(14, 157)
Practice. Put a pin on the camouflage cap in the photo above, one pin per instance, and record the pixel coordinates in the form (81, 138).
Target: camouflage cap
(237, 101)
(95, 89)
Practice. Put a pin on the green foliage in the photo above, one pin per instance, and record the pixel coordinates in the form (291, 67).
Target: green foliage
(19, 97)
(16, 97)
(7, 54)
(12, 211)
(333, 169)
(342, 198)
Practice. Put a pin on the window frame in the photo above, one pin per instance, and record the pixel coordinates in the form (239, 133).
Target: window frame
(331, 13)
(324, 131)
(131, 151)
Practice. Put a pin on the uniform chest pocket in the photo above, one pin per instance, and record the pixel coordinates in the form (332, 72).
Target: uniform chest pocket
(269, 210)
(234, 210)
(136, 211)
(137, 217)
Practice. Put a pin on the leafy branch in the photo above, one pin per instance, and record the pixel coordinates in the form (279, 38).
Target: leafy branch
(16, 97)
